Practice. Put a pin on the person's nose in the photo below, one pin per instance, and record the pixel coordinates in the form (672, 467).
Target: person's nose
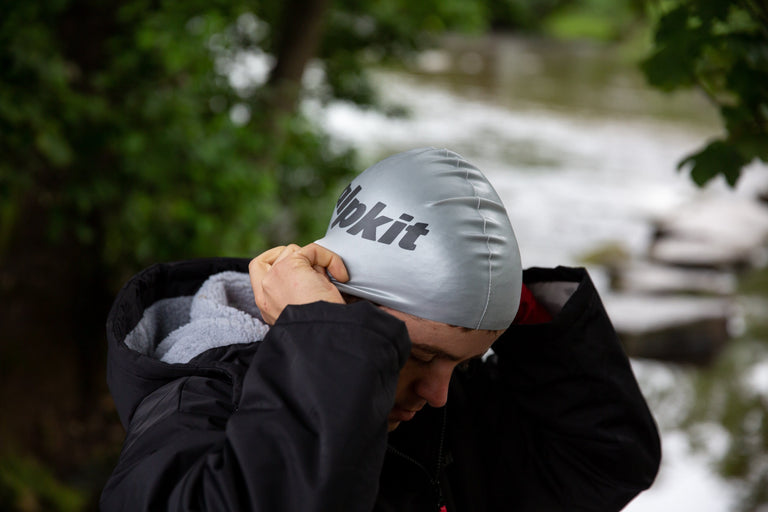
(433, 387)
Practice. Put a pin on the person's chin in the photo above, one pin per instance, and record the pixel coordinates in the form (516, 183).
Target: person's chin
(397, 415)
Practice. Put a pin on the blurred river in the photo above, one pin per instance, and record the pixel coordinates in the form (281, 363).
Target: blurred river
(583, 154)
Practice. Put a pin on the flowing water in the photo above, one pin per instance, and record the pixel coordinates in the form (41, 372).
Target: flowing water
(584, 155)
(600, 156)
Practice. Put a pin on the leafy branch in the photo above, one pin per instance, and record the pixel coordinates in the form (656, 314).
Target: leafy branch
(721, 47)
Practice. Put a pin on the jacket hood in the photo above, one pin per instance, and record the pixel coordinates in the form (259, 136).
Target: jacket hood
(133, 374)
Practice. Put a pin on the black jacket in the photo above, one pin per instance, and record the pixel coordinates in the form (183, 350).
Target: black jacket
(553, 421)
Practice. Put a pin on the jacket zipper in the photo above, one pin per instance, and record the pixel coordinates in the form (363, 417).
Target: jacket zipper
(434, 481)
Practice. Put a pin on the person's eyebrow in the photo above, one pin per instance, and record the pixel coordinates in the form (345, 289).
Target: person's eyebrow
(436, 351)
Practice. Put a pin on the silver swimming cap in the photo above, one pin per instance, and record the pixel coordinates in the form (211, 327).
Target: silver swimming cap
(425, 233)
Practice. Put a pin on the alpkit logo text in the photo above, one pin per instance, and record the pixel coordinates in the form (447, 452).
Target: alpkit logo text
(371, 225)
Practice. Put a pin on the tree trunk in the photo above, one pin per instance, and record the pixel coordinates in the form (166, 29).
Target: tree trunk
(55, 291)
(298, 39)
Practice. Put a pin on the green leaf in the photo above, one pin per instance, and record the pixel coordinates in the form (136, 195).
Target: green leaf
(671, 25)
(54, 147)
(752, 146)
(719, 157)
(710, 10)
(671, 67)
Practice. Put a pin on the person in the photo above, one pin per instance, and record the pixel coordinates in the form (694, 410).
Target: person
(402, 362)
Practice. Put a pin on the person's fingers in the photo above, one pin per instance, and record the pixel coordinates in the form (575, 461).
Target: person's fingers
(258, 268)
(271, 255)
(291, 275)
(320, 256)
(262, 263)
(286, 252)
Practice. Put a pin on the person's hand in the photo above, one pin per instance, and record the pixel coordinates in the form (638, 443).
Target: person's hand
(294, 275)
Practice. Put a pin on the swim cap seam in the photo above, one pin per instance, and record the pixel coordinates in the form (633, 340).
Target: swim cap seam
(487, 245)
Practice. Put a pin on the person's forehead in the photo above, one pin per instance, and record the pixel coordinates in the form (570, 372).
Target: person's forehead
(450, 341)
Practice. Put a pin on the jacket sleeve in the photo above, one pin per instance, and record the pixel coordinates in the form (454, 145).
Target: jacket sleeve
(574, 428)
(307, 433)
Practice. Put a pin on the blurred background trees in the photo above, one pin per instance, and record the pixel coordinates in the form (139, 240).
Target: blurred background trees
(140, 131)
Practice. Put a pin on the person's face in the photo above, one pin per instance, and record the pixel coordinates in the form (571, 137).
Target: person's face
(436, 350)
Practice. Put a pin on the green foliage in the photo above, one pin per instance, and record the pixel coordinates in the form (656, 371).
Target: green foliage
(125, 125)
(718, 157)
(138, 154)
(601, 20)
(26, 486)
(522, 15)
(720, 47)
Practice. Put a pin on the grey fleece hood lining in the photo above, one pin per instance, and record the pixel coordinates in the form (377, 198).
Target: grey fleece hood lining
(221, 313)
